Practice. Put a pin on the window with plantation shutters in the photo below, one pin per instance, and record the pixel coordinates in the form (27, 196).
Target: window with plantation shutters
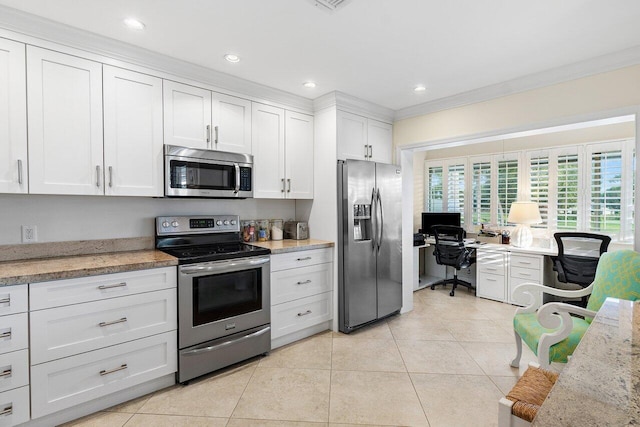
(539, 186)
(434, 189)
(605, 191)
(567, 190)
(455, 189)
(481, 193)
(507, 188)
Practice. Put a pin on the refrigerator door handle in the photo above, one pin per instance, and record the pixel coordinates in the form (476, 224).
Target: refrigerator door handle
(374, 218)
(379, 203)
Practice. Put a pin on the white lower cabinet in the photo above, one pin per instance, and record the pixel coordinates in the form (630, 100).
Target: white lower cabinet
(301, 294)
(491, 274)
(523, 269)
(14, 406)
(14, 370)
(70, 381)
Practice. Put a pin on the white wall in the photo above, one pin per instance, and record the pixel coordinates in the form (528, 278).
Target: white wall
(67, 218)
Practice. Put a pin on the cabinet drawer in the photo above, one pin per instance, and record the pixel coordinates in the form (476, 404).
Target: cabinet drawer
(491, 286)
(13, 332)
(67, 382)
(524, 261)
(490, 256)
(301, 258)
(299, 314)
(14, 368)
(65, 331)
(292, 284)
(18, 402)
(94, 288)
(13, 299)
(515, 282)
(525, 273)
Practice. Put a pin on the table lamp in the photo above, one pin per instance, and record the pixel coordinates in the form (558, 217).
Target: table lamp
(523, 214)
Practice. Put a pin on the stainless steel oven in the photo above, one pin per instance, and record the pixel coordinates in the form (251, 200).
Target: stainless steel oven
(207, 173)
(223, 293)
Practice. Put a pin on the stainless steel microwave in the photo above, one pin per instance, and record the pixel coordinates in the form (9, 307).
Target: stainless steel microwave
(191, 172)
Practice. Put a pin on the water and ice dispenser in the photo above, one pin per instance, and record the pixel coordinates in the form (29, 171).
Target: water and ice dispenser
(362, 222)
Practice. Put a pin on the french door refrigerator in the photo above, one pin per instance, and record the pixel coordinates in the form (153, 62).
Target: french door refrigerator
(369, 242)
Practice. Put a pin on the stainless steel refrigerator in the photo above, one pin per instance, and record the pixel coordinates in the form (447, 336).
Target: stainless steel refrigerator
(369, 242)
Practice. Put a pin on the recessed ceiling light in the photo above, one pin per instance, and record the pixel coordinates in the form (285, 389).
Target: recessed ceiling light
(134, 24)
(232, 58)
(419, 88)
(310, 85)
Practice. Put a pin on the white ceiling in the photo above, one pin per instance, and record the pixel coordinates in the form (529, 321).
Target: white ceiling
(377, 50)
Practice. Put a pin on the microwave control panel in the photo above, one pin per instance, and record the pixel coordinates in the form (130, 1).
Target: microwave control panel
(245, 179)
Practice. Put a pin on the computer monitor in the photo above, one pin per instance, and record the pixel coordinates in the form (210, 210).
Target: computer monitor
(430, 219)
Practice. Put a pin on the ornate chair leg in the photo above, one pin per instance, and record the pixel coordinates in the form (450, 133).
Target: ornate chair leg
(515, 363)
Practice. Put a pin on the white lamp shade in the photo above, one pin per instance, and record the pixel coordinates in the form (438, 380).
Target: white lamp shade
(524, 213)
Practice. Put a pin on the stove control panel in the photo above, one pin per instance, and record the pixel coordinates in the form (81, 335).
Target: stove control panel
(168, 225)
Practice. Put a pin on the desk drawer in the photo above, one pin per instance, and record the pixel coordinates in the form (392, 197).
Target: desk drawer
(65, 331)
(301, 259)
(300, 314)
(523, 261)
(14, 368)
(296, 283)
(526, 273)
(491, 286)
(14, 333)
(95, 288)
(16, 404)
(70, 381)
(13, 299)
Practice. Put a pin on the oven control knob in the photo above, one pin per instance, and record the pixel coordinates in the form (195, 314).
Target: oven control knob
(175, 224)
(226, 222)
(219, 222)
(165, 224)
(233, 222)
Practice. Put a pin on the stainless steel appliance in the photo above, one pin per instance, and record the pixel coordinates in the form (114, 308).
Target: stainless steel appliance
(297, 230)
(223, 292)
(207, 173)
(370, 242)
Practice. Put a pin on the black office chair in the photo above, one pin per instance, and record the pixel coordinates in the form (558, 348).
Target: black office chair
(450, 250)
(578, 256)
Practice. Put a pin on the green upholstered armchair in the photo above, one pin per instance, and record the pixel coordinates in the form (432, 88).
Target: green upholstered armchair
(551, 332)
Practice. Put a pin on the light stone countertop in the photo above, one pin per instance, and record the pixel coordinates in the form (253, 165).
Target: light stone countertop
(600, 386)
(45, 269)
(288, 245)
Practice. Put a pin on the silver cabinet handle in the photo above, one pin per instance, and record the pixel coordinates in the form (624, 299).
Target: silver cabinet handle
(216, 133)
(370, 151)
(490, 280)
(110, 176)
(6, 373)
(208, 135)
(97, 175)
(282, 181)
(7, 411)
(113, 322)
(289, 185)
(303, 283)
(19, 171)
(304, 314)
(5, 334)
(524, 274)
(303, 259)
(6, 300)
(116, 285)
(524, 262)
(111, 371)
(366, 151)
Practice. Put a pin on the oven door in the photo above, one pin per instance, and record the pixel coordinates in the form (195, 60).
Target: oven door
(220, 298)
(190, 177)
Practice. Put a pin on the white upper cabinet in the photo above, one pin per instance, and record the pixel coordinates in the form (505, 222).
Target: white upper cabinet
(299, 155)
(199, 118)
(380, 137)
(13, 118)
(187, 115)
(133, 149)
(268, 145)
(362, 138)
(231, 122)
(65, 123)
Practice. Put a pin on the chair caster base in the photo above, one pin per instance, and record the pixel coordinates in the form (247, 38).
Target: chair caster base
(451, 293)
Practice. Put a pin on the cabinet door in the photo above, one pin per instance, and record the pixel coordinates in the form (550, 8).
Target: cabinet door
(64, 109)
(268, 145)
(352, 136)
(187, 115)
(380, 137)
(231, 124)
(132, 133)
(13, 118)
(298, 155)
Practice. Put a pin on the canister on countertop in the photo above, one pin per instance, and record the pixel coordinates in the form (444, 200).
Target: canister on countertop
(262, 227)
(248, 228)
(276, 229)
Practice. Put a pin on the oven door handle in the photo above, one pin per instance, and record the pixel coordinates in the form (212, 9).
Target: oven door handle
(222, 266)
(207, 349)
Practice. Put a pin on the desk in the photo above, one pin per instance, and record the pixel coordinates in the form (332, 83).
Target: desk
(599, 386)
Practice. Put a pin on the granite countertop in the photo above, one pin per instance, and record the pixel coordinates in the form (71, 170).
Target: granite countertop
(45, 269)
(600, 386)
(288, 245)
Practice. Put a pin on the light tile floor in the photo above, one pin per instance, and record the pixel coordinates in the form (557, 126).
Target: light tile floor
(446, 363)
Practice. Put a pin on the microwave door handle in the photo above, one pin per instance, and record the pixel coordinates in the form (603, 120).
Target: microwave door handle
(237, 189)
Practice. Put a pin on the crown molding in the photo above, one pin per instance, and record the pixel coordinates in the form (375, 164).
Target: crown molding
(37, 27)
(599, 64)
(354, 105)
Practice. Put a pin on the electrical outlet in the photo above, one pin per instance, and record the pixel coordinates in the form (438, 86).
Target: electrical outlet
(29, 233)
